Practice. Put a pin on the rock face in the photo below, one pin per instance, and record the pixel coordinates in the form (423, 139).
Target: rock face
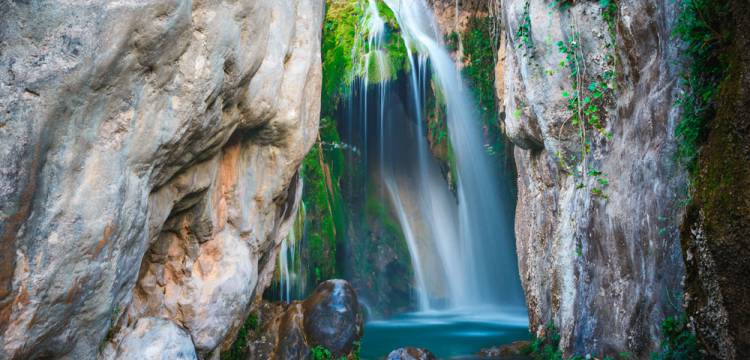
(153, 338)
(715, 233)
(150, 151)
(515, 349)
(331, 317)
(411, 353)
(597, 235)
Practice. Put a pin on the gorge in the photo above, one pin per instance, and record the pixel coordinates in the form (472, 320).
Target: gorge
(362, 179)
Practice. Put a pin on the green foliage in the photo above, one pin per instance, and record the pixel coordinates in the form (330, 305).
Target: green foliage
(587, 106)
(451, 41)
(524, 30)
(339, 33)
(479, 46)
(697, 27)
(344, 48)
(678, 342)
(320, 353)
(547, 347)
(480, 68)
(609, 14)
(322, 169)
(238, 350)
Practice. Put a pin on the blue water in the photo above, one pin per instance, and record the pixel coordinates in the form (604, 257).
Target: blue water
(448, 334)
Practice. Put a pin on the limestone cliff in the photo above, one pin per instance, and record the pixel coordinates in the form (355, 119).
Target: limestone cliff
(588, 94)
(150, 153)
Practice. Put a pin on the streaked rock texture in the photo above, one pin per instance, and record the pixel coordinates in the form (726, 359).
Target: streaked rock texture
(606, 271)
(150, 151)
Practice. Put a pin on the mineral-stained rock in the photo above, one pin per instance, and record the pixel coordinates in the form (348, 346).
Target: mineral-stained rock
(604, 267)
(411, 353)
(150, 151)
(153, 339)
(331, 317)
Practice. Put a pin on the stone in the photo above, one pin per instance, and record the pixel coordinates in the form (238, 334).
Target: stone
(514, 349)
(333, 317)
(150, 152)
(330, 317)
(606, 270)
(154, 339)
(411, 353)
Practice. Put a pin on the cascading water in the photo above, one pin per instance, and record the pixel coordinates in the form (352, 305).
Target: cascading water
(460, 240)
(290, 279)
(476, 246)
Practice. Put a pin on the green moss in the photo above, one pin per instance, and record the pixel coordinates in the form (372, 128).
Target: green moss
(678, 342)
(696, 27)
(547, 346)
(238, 350)
(523, 34)
(339, 33)
(322, 169)
(479, 52)
(322, 353)
(344, 48)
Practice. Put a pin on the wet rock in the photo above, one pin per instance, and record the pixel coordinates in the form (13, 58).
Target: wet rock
(292, 343)
(516, 349)
(411, 353)
(331, 317)
(155, 339)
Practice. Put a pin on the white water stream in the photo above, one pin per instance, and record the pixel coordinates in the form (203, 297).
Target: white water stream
(462, 251)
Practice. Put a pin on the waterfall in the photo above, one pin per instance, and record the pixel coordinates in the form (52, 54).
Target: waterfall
(290, 280)
(461, 245)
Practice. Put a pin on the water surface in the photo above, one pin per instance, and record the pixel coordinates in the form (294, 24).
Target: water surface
(449, 334)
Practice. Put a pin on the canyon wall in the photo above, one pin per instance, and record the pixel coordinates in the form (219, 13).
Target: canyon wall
(150, 152)
(599, 189)
(717, 224)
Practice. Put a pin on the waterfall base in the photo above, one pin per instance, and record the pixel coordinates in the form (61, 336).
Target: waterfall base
(449, 334)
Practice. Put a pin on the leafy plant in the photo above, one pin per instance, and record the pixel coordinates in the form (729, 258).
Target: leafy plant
(587, 106)
(609, 14)
(238, 350)
(547, 347)
(697, 27)
(451, 41)
(321, 353)
(524, 30)
(678, 342)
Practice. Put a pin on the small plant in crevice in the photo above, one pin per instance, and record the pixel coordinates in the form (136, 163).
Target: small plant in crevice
(677, 340)
(588, 111)
(451, 41)
(238, 350)
(699, 27)
(322, 353)
(523, 34)
(609, 14)
(546, 346)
